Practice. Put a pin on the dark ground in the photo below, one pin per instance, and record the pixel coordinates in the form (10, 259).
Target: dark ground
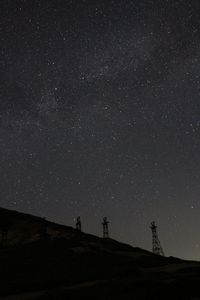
(66, 264)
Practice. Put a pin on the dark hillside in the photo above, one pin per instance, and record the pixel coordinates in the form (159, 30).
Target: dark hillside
(44, 260)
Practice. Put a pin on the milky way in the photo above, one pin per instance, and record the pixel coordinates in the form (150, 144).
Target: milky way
(100, 116)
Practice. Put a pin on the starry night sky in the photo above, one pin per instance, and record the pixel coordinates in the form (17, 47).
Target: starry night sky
(100, 116)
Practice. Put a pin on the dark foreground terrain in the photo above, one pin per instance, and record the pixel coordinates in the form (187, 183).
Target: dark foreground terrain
(43, 260)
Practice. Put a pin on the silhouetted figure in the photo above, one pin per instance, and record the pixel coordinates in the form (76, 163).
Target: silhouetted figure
(105, 228)
(156, 245)
(78, 223)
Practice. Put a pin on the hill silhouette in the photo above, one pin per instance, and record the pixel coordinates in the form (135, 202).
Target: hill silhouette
(43, 260)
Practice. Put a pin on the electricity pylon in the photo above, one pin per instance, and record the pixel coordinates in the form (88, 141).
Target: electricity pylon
(105, 228)
(78, 224)
(156, 245)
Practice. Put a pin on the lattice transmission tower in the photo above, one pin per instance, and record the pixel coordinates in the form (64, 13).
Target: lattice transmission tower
(156, 245)
(105, 228)
(78, 224)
